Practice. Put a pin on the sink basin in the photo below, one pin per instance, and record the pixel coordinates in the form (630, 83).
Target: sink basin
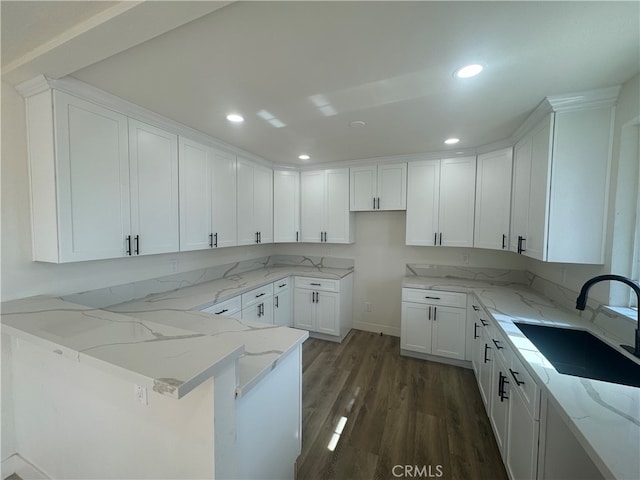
(581, 354)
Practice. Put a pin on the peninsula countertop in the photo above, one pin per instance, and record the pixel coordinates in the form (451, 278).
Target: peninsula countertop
(604, 417)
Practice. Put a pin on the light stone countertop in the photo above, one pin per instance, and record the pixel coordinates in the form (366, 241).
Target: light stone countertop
(159, 341)
(604, 417)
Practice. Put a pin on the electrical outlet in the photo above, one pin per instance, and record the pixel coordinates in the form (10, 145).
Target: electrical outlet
(141, 394)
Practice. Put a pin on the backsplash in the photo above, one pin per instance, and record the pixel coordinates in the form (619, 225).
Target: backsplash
(105, 297)
(469, 273)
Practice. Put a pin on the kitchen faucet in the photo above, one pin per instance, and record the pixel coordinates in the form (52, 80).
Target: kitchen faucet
(581, 303)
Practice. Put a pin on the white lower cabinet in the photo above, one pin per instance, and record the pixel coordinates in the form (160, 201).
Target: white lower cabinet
(282, 303)
(229, 308)
(434, 322)
(511, 398)
(257, 304)
(323, 306)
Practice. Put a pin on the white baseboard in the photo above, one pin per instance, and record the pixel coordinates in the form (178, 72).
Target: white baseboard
(377, 328)
(23, 468)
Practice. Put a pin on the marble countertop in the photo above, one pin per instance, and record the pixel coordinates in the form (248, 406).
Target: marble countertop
(604, 417)
(161, 341)
(203, 295)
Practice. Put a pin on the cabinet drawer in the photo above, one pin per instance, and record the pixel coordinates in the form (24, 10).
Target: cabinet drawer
(499, 344)
(434, 297)
(526, 387)
(228, 307)
(281, 285)
(257, 295)
(318, 284)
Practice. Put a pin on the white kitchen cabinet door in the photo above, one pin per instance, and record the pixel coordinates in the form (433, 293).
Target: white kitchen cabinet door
(493, 200)
(255, 203)
(363, 188)
(282, 308)
(522, 439)
(286, 206)
(90, 173)
(247, 232)
(327, 313)
(338, 219)
(457, 202)
(423, 195)
(312, 205)
(224, 221)
(153, 170)
(500, 404)
(263, 203)
(520, 197)
(261, 312)
(415, 328)
(303, 307)
(195, 175)
(449, 327)
(535, 244)
(392, 187)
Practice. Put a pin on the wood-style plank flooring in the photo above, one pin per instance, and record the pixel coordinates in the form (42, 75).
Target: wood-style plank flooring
(399, 411)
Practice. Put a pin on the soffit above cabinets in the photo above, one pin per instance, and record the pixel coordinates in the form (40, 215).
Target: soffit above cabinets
(316, 67)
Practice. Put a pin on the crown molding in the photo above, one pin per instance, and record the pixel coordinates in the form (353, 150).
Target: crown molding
(34, 86)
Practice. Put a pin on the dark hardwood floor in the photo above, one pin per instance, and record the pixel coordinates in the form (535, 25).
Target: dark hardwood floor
(399, 412)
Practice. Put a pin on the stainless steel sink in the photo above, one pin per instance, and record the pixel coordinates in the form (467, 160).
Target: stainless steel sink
(581, 354)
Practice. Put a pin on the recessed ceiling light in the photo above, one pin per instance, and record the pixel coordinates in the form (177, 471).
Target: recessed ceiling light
(451, 141)
(304, 156)
(469, 71)
(235, 118)
(357, 123)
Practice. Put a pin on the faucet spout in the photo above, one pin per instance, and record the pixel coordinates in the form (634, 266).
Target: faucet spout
(581, 302)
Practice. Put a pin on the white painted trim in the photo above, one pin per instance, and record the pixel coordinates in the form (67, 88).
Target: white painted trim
(22, 467)
(377, 328)
(34, 86)
(600, 97)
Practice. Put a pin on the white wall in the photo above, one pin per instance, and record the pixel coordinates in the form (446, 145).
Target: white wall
(381, 255)
(622, 211)
(21, 277)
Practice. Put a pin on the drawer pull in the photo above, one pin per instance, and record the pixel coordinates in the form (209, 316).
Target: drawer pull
(222, 311)
(475, 331)
(502, 391)
(433, 298)
(497, 344)
(486, 348)
(316, 284)
(283, 285)
(476, 308)
(513, 374)
(260, 295)
(484, 322)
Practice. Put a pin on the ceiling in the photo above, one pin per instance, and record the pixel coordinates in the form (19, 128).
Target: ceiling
(315, 67)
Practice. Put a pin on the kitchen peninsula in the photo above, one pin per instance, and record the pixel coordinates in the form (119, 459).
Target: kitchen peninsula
(153, 387)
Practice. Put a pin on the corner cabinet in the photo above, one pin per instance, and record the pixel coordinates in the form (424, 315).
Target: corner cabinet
(434, 323)
(324, 210)
(493, 200)
(378, 187)
(561, 179)
(255, 203)
(286, 206)
(440, 202)
(323, 306)
(102, 185)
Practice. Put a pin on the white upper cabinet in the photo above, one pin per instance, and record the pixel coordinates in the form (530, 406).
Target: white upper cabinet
(561, 174)
(255, 203)
(286, 206)
(102, 185)
(207, 197)
(493, 200)
(195, 174)
(325, 215)
(440, 202)
(80, 194)
(378, 187)
(153, 167)
(224, 218)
